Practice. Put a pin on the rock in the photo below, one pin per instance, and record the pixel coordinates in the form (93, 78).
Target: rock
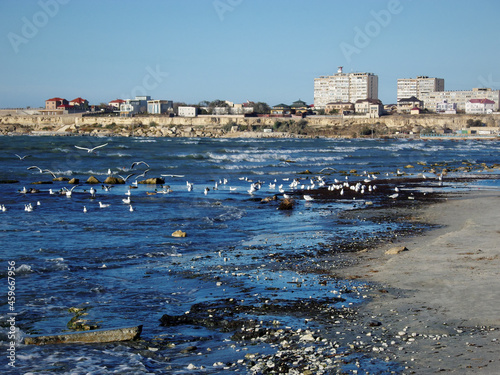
(93, 180)
(269, 199)
(286, 204)
(152, 181)
(111, 180)
(396, 250)
(61, 179)
(409, 166)
(179, 233)
(41, 183)
(74, 181)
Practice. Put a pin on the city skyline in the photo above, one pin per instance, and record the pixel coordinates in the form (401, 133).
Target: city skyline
(237, 50)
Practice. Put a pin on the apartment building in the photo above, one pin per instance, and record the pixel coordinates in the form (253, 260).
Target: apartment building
(460, 98)
(344, 87)
(417, 87)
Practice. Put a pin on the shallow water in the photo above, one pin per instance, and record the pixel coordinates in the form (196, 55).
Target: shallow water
(126, 269)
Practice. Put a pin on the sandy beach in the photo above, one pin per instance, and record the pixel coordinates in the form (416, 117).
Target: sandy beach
(439, 300)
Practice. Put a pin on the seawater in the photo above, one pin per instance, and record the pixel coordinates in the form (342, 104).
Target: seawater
(125, 268)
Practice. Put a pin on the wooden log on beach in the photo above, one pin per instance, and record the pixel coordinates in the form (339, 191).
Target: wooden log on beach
(95, 336)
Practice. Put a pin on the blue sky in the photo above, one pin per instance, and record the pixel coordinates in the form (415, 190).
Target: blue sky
(238, 50)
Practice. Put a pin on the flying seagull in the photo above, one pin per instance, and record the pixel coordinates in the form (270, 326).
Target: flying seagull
(89, 150)
(126, 178)
(35, 167)
(143, 174)
(22, 157)
(137, 163)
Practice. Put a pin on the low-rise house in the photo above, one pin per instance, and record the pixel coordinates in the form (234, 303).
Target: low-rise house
(373, 107)
(116, 103)
(157, 107)
(52, 104)
(339, 107)
(299, 107)
(186, 111)
(132, 107)
(479, 106)
(83, 104)
(281, 110)
(446, 108)
(415, 111)
(405, 105)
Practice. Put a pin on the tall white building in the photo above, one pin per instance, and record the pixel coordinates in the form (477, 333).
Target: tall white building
(344, 87)
(417, 87)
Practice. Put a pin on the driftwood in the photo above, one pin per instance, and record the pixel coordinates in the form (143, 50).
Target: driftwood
(94, 336)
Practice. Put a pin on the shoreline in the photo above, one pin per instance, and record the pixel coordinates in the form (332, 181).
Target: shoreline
(439, 299)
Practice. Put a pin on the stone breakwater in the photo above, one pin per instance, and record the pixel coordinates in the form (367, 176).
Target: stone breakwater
(233, 126)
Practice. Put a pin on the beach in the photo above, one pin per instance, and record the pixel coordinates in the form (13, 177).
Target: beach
(438, 300)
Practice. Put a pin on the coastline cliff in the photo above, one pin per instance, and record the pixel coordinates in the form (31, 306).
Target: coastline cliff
(237, 126)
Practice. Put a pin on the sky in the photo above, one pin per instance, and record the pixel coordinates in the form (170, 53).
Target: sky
(238, 50)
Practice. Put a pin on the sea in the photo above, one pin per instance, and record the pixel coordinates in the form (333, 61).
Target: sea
(119, 265)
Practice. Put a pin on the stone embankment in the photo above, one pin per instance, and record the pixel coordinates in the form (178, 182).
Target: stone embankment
(234, 126)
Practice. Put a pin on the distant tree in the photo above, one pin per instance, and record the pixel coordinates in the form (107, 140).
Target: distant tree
(204, 103)
(261, 108)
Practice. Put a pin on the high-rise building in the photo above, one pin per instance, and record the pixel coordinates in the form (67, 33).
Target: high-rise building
(417, 87)
(345, 88)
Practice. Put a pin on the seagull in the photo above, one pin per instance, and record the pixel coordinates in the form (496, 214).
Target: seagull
(89, 150)
(394, 196)
(22, 157)
(206, 191)
(102, 205)
(35, 167)
(92, 192)
(84, 209)
(189, 185)
(4, 208)
(127, 177)
(308, 198)
(70, 192)
(126, 200)
(143, 174)
(131, 209)
(139, 162)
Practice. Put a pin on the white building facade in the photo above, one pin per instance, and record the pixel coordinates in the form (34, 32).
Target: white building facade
(460, 98)
(157, 106)
(479, 106)
(134, 106)
(417, 87)
(344, 87)
(187, 111)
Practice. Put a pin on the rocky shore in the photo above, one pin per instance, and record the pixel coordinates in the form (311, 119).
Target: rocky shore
(432, 297)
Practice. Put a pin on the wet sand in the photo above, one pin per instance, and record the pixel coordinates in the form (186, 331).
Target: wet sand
(439, 301)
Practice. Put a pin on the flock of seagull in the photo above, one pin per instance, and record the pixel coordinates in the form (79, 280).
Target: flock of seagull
(302, 184)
